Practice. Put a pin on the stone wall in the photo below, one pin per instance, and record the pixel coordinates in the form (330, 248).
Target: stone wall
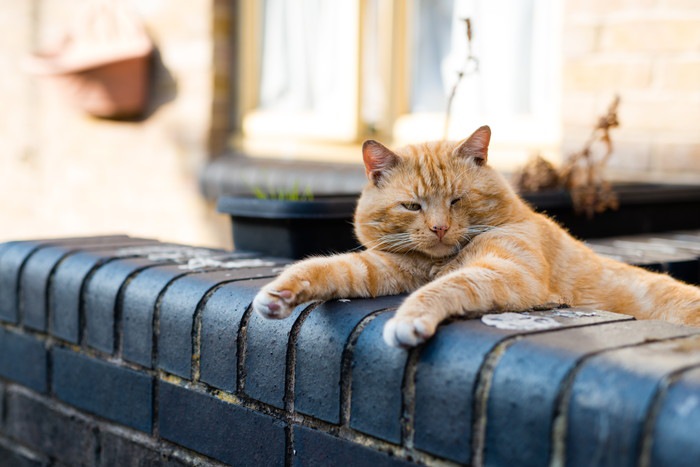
(648, 51)
(65, 173)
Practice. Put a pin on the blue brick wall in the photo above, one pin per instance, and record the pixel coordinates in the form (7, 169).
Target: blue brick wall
(123, 351)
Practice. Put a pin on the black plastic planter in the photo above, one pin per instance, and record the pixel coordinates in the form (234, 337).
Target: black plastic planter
(644, 208)
(292, 229)
(296, 229)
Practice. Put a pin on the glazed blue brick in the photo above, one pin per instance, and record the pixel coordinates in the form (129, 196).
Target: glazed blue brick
(37, 272)
(66, 290)
(101, 295)
(2, 404)
(140, 298)
(221, 320)
(678, 424)
(266, 357)
(35, 281)
(316, 448)
(319, 353)
(35, 423)
(11, 458)
(13, 258)
(65, 293)
(611, 398)
(226, 432)
(528, 380)
(5, 246)
(117, 450)
(447, 374)
(177, 311)
(23, 360)
(377, 381)
(119, 394)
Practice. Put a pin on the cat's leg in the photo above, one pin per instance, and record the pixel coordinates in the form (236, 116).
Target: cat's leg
(627, 289)
(491, 284)
(362, 274)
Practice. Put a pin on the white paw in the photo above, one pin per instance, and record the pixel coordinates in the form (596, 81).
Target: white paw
(406, 332)
(273, 304)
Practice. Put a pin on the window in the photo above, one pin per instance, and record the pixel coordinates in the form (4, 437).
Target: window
(319, 76)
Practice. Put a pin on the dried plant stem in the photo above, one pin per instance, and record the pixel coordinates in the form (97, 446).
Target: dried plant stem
(582, 174)
(470, 66)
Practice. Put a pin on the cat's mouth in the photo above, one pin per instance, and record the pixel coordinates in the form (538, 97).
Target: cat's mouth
(444, 249)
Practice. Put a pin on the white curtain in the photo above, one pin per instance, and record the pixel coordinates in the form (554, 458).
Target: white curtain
(509, 41)
(309, 60)
(305, 65)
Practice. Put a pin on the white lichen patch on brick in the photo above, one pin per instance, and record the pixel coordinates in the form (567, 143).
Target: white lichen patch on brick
(573, 313)
(198, 263)
(166, 252)
(519, 321)
(192, 258)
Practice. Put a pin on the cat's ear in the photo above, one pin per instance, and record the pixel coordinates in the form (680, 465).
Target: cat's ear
(476, 147)
(378, 159)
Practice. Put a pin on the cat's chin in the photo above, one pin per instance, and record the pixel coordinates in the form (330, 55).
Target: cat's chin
(442, 250)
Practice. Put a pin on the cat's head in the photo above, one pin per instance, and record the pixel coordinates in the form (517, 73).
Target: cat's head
(429, 199)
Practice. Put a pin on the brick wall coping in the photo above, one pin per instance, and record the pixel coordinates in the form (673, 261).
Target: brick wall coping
(119, 351)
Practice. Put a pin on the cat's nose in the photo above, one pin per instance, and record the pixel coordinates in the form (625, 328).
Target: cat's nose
(440, 230)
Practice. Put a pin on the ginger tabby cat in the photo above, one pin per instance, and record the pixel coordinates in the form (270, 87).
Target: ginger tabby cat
(438, 222)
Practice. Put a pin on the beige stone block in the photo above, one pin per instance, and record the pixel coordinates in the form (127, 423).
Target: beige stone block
(675, 114)
(177, 19)
(584, 108)
(651, 35)
(16, 27)
(669, 157)
(631, 148)
(579, 39)
(626, 156)
(606, 75)
(681, 75)
(634, 157)
(579, 109)
(687, 5)
(604, 7)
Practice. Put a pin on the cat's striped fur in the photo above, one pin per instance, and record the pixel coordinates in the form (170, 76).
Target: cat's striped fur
(438, 222)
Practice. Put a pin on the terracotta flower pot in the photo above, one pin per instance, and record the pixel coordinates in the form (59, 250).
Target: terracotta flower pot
(102, 64)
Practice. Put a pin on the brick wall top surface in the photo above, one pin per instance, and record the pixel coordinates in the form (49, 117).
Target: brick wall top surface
(160, 339)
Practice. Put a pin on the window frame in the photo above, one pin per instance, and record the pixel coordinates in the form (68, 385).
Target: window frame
(255, 130)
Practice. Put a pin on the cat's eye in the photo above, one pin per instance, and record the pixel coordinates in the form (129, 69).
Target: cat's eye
(411, 206)
(455, 201)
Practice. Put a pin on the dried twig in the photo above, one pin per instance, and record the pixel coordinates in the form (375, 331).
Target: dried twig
(470, 66)
(582, 174)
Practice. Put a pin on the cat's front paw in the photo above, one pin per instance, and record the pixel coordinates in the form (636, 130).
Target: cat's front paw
(274, 304)
(406, 332)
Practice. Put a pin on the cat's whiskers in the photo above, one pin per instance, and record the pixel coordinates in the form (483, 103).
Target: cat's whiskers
(392, 243)
(372, 223)
(472, 232)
